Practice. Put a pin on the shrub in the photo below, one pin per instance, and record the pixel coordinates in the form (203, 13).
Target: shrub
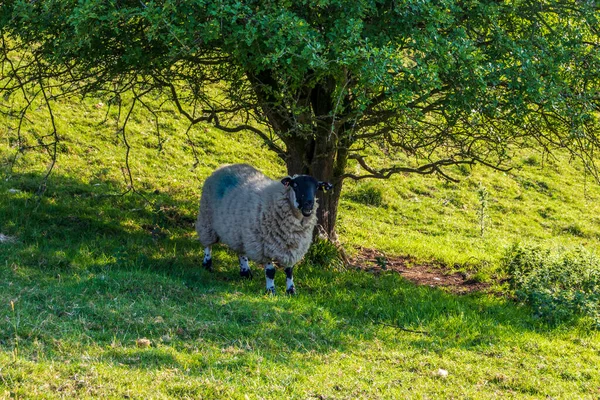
(532, 161)
(368, 194)
(323, 253)
(574, 229)
(559, 285)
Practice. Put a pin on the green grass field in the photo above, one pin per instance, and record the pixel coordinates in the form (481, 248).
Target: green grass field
(102, 294)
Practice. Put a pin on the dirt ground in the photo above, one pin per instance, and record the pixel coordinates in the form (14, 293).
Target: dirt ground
(433, 275)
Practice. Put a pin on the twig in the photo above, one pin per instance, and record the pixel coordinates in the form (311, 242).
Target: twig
(156, 122)
(192, 145)
(44, 184)
(129, 176)
(128, 148)
(401, 328)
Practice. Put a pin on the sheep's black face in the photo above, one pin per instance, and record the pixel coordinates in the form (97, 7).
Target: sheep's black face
(305, 188)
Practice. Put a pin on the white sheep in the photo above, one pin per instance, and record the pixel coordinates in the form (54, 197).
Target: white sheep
(261, 219)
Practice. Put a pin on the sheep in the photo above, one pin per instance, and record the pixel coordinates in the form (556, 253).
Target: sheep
(261, 219)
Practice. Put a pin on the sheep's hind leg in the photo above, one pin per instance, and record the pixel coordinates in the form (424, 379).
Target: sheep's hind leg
(289, 281)
(270, 276)
(207, 261)
(245, 271)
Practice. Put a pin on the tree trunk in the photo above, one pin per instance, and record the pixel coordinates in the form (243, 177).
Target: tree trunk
(322, 168)
(327, 212)
(328, 202)
(317, 153)
(297, 157)
(326, 163)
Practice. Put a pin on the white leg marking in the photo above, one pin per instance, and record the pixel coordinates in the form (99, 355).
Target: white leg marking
(207, 254)
(289, 280)
(244, 267)
(207, 262)
(244, 263)
(270, 276)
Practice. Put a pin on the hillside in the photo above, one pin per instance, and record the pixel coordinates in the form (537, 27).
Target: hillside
(544, 199)
(102, 294)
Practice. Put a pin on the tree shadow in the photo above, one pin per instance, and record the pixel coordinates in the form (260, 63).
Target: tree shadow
(112, 270)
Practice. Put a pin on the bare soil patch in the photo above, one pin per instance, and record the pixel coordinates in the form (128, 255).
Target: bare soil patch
(433, 275)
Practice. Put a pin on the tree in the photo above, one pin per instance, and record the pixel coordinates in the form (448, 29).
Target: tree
(430, 84)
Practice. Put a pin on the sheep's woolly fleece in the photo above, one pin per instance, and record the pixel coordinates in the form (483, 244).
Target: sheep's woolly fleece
(254, 216)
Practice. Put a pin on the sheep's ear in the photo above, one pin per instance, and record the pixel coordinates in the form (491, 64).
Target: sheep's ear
(287, 181)
(324, 186)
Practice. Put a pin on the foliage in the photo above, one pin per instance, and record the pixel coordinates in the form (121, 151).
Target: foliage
(368, 194)
(326, 84)
(557, 284)
(323, 254)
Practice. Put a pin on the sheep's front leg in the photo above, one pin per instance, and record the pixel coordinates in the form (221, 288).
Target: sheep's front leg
(270, 276)
(289, 281)
(207, 261)
(245, 271)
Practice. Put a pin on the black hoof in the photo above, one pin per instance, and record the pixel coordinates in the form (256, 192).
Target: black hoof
(246, 273)
(291, 291)
(208, 265)
(271, 291)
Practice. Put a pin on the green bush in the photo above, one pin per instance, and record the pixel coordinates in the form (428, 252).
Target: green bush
(368, 194)
(559, 285)
(532, 161)
(323, 253)
(574, 229)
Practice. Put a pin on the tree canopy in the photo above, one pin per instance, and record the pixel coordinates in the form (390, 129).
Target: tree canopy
(428, 83)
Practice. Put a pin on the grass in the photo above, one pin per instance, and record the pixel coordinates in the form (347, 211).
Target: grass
(550, 205)
(91, 273)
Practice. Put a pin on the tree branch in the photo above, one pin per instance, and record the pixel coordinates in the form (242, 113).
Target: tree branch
(385, 173)
(213, 118)
(43, 184)
(268, 141)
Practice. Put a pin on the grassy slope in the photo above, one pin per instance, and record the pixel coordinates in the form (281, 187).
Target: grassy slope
(90, 274)
(547, 202)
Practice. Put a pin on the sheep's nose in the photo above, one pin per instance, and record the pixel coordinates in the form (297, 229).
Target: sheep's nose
(307, 207)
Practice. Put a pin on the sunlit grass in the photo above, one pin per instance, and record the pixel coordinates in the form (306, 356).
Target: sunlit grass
(92, 272)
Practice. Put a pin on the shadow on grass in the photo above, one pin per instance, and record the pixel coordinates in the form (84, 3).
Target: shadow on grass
(105, 271)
